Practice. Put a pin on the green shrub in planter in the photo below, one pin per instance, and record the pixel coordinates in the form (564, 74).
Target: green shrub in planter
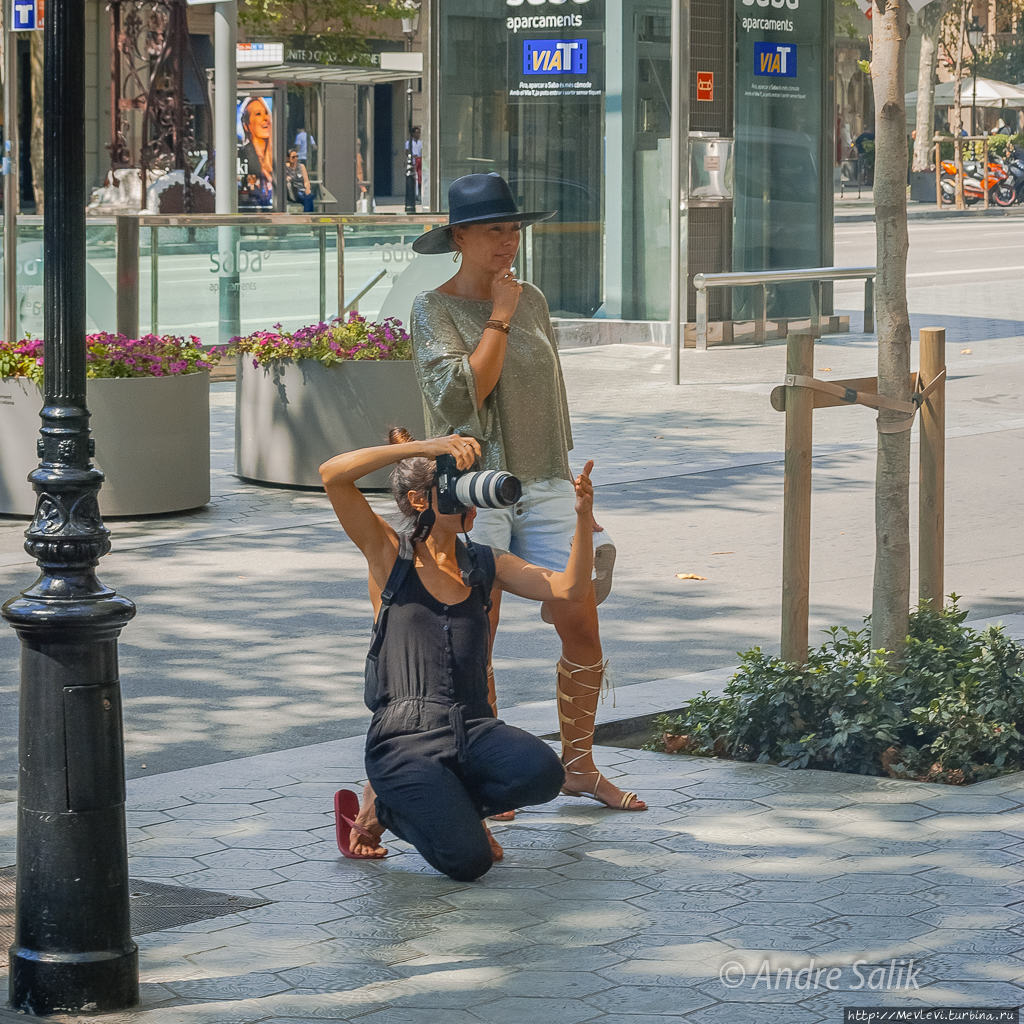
(327, 343)
(949, 714)
(303, 397)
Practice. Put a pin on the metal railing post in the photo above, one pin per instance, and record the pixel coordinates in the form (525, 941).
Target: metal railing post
(154, 281)
(127, 275)
(869, 305)
(341, 270)
(12, 200)
(764, 314)
(702, 312)
(816, 311)
(322, 233)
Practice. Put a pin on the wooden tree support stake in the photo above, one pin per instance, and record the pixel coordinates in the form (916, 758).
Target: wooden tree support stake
(931, 508)
(799, 401)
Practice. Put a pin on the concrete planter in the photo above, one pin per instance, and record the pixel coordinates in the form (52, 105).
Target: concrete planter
(293, 416)
(152, 443)
(922, 187)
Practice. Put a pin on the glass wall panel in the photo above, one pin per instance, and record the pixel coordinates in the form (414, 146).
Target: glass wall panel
(100, 277)
(278, 272)
(522, 93)
(783, 75)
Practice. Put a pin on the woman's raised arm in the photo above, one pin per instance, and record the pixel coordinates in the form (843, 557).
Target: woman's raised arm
(375, 538)
(536, 583)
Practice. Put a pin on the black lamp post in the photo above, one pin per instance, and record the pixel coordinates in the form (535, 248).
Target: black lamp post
(73, 948)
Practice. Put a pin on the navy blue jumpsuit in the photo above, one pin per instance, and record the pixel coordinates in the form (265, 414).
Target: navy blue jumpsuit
(436, 756)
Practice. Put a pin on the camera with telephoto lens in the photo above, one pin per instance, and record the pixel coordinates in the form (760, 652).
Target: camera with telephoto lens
(459, 490)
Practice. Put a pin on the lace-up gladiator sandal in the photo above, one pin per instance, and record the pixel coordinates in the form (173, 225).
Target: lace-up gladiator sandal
(574, 750)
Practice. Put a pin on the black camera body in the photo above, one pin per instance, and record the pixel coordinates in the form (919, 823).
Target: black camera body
(459, 490)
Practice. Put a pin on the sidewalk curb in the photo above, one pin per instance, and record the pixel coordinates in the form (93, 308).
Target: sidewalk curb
(933, 214)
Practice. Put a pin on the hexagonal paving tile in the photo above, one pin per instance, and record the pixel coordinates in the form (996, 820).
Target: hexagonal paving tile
(749, 936)
(972, 917)
(554, 983)
(882, 904)
(873, 926)
(781, 915)
(870, 883)
(951, 940)
(595, 889)
(237, 986)
(656, 999)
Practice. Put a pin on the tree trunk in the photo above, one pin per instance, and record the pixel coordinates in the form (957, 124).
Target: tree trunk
(891, 598)
(930, 21)
(36, 148)
(956, 120)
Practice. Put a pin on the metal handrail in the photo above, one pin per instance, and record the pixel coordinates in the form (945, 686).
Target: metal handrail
(128, 226)
(740, 279)
(214, 220)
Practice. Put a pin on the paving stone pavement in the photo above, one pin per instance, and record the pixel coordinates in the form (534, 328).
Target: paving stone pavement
(747, 893)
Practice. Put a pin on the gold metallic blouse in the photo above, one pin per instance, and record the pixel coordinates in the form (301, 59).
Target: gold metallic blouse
(523, 425)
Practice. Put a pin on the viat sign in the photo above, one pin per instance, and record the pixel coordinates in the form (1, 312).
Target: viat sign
(539, 3)
(791, 4)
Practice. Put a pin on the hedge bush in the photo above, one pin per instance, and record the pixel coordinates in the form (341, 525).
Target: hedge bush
(948, 714)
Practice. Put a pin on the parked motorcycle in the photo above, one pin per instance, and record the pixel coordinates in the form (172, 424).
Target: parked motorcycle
(976, 182)
(1011, 189)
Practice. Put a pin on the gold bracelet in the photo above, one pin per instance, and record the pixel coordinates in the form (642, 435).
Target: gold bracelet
(498, 325)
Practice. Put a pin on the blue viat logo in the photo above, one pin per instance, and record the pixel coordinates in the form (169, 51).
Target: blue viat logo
(554, 56)
(775, 60)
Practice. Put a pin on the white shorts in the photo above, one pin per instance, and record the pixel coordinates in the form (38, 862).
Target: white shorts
(539, 528)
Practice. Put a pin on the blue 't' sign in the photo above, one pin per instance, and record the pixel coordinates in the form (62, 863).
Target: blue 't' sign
(24, 15)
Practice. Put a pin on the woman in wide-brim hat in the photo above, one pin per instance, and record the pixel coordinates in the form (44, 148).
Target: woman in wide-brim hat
(487, 364)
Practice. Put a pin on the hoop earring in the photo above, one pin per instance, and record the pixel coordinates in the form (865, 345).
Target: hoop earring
(457, 256)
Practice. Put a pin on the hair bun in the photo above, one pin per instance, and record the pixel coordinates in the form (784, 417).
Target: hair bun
(399, 435)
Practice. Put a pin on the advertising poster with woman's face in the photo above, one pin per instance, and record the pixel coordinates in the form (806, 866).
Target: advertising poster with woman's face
(255, 127)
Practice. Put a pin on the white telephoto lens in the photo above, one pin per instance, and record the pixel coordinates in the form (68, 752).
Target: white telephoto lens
(490, 488)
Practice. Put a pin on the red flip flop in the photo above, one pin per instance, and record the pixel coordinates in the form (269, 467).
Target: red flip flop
(346, 807)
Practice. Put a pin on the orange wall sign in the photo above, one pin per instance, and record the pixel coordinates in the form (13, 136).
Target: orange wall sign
(706, 86)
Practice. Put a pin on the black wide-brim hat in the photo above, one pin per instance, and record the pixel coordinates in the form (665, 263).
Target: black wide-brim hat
(475, 199)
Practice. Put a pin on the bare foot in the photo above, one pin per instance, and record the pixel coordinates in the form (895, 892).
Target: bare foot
(368, 845)
(607, 793)
(496, 851)
(504, 816)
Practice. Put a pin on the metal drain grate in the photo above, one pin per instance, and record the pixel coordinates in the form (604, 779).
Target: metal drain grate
(154, 907)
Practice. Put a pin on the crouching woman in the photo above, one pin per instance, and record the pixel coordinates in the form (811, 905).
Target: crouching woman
(437, 759)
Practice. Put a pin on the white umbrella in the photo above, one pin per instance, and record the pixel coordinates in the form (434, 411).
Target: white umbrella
(989, 93)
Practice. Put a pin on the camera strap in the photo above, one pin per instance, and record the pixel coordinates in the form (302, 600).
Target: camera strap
(476, 563)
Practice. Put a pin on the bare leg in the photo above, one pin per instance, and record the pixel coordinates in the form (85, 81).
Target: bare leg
(496, 849)
(578, 629)
(367, 819)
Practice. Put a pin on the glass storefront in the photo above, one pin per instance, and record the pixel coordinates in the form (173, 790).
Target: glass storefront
(784, 67)
(570, 100)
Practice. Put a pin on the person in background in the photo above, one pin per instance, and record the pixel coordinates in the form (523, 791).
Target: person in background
(417, 158)
(303, 141)
(297, 182)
